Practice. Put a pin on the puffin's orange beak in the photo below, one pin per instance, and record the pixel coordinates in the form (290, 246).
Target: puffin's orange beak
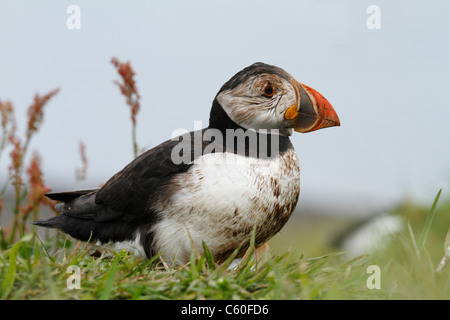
(314, 111)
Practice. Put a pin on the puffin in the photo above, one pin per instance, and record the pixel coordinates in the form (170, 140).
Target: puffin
(213, 186)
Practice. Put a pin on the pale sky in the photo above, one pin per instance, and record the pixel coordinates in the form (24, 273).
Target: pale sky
(389, 86)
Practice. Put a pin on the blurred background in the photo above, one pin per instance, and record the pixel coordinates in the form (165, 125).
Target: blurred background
(389, 86)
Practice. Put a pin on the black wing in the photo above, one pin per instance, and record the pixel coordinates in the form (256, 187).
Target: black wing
(128, 190)
(125, 196)
(115, 211)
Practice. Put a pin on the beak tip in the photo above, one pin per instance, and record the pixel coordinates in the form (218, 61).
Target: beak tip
(328, 115)
(336, 121)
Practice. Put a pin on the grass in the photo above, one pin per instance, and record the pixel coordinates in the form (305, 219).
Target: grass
(28, 271)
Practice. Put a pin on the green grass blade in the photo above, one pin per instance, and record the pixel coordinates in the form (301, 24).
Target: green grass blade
(10, 277)
(250, 252)
(428, 222)
(42, 245)
(208, 256)
(106, 293)
(221, 268)
(447, 240)
(413, 239)
(193, 266)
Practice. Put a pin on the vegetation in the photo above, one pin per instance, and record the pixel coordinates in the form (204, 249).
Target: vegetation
(412, 264)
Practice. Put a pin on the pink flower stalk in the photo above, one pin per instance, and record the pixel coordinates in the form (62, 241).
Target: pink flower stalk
(128, 89)
(36, 112)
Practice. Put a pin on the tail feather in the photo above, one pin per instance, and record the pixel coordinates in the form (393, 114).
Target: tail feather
(87, 229)
(70, 195)
(80, 229)
(50, 223)
(82, 218)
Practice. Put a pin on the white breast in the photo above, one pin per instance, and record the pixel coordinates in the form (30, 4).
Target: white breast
(220, 199)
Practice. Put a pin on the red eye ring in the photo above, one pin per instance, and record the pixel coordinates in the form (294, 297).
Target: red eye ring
(268, 90)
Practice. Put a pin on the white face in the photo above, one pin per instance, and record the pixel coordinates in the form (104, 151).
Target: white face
(260, 103)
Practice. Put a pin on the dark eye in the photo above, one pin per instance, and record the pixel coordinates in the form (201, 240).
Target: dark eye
(268, 90)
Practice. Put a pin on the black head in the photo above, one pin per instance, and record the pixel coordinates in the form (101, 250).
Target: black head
(263, 96)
